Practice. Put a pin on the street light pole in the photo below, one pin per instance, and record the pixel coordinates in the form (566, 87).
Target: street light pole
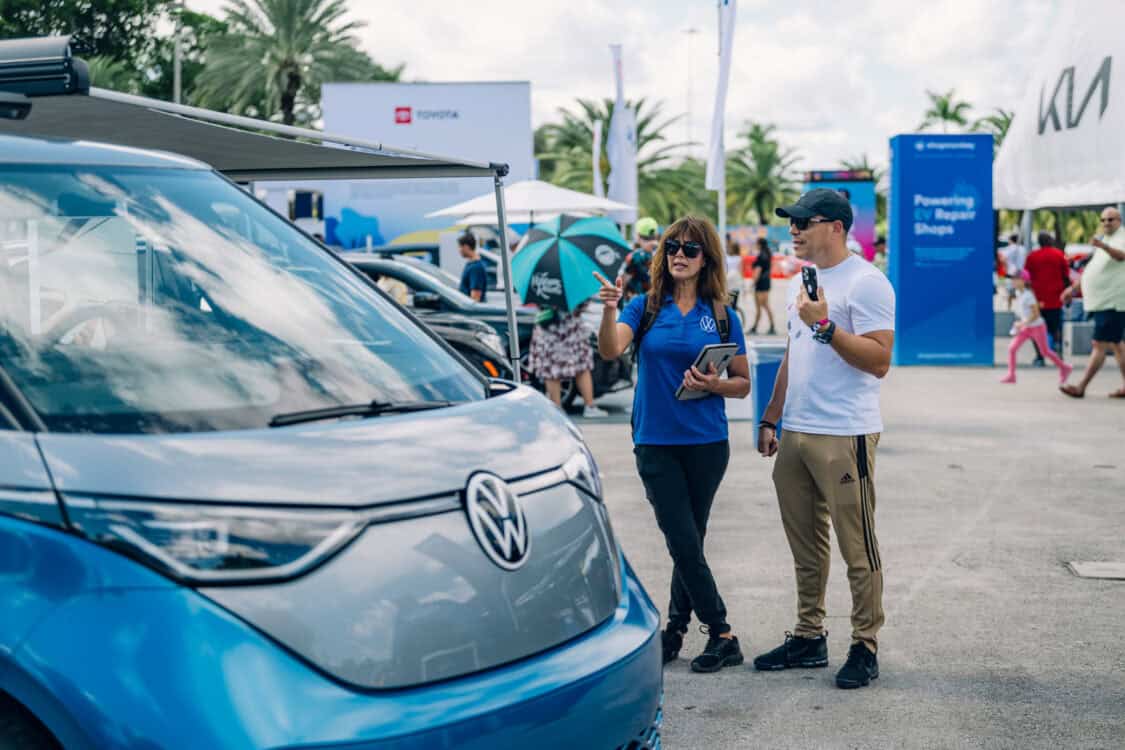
(722, 207)
(691, 32)
(177, 53)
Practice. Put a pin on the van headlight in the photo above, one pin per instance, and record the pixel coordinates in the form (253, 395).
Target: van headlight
(491, 340)
(581, 470)
(212, 544)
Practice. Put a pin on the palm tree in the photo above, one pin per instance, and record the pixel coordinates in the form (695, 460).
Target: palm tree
(107, 73)
(996, 123)
(759, 174)
(945, 110)
(276, 55)
(565, 152)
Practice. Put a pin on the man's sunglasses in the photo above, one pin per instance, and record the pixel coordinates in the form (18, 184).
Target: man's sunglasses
(1110, 220)
(690, 249)
(803, 224)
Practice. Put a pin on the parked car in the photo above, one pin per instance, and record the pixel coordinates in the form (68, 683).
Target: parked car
(246, 501)
(784, 264)
(608, 377)
(428, 289)
(477, 342)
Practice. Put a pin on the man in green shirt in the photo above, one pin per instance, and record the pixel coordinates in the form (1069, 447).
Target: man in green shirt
(1103, 294)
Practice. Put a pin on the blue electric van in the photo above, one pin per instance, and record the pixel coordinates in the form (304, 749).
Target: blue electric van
(246, 501)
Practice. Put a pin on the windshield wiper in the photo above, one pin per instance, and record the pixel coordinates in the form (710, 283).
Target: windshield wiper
(370, 409)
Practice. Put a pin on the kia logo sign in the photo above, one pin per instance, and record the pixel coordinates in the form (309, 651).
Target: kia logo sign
(1049, 114)
(403, 116)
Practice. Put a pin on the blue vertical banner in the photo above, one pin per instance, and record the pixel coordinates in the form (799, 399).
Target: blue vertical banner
(941, 249)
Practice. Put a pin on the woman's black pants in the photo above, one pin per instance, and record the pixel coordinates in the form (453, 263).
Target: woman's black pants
(681, 481)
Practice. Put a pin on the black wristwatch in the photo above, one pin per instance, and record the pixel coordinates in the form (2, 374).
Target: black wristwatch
(824, 335)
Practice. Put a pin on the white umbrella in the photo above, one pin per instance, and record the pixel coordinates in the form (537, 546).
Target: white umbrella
(531, 200)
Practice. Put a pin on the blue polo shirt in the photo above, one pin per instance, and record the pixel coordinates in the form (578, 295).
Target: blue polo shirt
(669, 348)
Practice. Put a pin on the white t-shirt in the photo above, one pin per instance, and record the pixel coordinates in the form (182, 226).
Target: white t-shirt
(734, 270)
(1014, 258)
(1024, 302)
(826, 395)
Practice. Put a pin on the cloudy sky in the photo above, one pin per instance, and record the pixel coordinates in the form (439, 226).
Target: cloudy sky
(837, 78)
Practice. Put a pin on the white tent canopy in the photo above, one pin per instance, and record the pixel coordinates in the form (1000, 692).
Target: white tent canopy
(1066, 144)
(530, 200)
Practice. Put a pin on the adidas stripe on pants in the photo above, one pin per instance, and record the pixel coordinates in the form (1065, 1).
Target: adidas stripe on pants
(828, 478)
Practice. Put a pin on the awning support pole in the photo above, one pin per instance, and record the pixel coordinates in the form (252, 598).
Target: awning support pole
(506, 262)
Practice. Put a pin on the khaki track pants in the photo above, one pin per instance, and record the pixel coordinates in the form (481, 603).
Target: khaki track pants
(827, 477)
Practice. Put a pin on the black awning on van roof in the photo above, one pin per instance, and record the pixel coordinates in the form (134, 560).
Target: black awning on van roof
(240, 147)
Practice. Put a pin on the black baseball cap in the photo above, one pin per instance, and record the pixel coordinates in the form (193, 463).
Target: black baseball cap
(819, 202)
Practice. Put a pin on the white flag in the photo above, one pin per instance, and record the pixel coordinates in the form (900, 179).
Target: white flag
(716, 158)
(599, 187)
(621, 148)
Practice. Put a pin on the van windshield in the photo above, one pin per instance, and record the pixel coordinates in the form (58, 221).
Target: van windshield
(167, 300)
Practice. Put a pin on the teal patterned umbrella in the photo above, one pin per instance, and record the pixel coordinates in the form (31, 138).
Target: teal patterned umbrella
(556, 266)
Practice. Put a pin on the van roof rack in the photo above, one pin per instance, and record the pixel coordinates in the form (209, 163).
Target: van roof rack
(44, 66)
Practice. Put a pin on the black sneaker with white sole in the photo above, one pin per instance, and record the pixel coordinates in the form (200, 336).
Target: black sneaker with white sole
(720, 652)
(795, 652)
(860, 669)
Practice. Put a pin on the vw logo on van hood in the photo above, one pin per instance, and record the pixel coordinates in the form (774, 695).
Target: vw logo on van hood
(497, 519)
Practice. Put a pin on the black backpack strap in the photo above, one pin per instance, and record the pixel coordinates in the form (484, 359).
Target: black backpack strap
(722, 321)
(647, 319)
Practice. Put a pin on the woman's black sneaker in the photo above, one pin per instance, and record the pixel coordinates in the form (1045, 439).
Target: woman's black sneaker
(860, 669)
(795, 652)
(671, 641)
(720, 652)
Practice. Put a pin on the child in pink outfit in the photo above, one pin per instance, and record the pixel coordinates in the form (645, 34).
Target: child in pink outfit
(1030, 325)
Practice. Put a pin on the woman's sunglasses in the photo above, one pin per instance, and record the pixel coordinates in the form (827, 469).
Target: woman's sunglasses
(690, 249)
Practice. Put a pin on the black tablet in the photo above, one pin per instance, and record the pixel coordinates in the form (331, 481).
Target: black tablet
(719, 355)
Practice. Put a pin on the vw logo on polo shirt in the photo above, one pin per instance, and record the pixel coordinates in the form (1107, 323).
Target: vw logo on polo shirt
(497, 519)
(707, 323)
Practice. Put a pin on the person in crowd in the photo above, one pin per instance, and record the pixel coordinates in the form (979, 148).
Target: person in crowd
(1001, 268)
(762, 265)
(638, 279)
(880, 259)
(734, 270)
(561, 350)
(1030, 324)
(681, 446)
(474, 276)
(1103, 294)
(1015, 255)
(827, 394)
(734, 260)
(1049, 276)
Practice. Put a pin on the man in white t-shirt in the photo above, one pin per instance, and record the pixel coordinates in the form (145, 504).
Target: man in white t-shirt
(827, 397)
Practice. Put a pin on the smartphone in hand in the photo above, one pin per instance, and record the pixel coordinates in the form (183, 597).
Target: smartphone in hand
(808, 279)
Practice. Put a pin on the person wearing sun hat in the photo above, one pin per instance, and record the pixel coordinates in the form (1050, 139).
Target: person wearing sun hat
(637, 272)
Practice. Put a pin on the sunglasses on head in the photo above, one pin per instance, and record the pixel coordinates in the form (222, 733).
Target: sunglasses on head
(689, 249)
(803, 224)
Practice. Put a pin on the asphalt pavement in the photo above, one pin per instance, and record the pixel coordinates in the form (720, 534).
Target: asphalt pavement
(984, 492)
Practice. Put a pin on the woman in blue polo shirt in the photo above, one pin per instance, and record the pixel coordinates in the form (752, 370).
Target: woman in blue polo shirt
(681, 446)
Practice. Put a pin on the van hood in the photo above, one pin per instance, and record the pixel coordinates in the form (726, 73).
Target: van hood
(346, 463)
